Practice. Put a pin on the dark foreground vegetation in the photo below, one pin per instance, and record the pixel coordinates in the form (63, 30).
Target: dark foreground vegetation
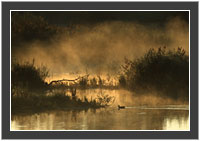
(30, 92)
(86, 82)
(26, 77)
(161, 72)
(36, 103)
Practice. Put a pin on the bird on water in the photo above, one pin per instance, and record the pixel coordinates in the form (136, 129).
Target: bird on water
(121, 107)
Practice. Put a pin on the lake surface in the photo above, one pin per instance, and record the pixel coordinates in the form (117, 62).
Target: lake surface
(133, 117)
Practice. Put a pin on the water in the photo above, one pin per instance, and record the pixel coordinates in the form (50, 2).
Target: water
(133, 117)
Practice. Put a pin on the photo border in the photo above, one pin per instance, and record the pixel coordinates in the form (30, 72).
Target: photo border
(8, 6)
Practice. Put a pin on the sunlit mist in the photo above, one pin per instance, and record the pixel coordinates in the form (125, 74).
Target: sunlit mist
(100, 70)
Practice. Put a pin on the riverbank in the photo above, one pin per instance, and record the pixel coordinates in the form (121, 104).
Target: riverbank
(34, 104)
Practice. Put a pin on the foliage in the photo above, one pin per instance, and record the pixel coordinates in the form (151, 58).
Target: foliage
(100, 81)
(83, 82)
(93, 82)
(26, 77)
(161, 71)
(105, 99)
(122, 80)
(26, 27)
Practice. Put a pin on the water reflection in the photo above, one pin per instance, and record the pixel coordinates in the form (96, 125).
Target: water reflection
(167, 117)
(104, 119)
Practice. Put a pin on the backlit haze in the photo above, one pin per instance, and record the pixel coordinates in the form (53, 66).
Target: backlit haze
(99, 48)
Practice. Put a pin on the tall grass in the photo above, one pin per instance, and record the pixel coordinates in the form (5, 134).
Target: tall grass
(163, 72)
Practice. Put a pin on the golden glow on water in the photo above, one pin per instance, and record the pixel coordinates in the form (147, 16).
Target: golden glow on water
(175, 124)
(134, 117)
(104, 119)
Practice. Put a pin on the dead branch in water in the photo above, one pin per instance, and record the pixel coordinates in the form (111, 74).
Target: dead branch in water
(68, 80)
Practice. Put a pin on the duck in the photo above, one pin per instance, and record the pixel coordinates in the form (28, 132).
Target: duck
(121, 107)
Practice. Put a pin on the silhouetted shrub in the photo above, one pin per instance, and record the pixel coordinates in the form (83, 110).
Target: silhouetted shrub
(161, 71)
(26, 77)
(105, 99)
(83, 82)
(122, 81)
(101, 81)
(93, 82)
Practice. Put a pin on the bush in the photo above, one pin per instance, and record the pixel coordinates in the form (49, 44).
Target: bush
(105, 100)
(93, 82)
(160, 71)
(26, 77)
(83, 82)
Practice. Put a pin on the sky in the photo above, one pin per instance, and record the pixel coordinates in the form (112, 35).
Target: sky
(85, 17)
(94, 17)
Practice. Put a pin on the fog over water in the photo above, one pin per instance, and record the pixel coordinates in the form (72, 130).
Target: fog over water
(103, 72)
(101, 48)
(162, 117)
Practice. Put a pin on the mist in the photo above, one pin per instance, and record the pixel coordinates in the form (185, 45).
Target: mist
(101, 48)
